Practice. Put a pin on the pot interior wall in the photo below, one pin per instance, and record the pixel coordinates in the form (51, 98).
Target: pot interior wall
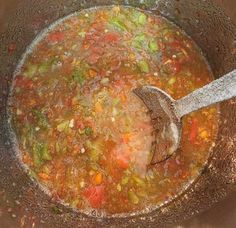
(23, 202)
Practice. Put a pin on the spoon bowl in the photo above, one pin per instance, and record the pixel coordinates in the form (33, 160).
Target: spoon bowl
(166, 113)
(166, 122)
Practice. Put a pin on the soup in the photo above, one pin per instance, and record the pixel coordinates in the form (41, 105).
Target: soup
(82, 133)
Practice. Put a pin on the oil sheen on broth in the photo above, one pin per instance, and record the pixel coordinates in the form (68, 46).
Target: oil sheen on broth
(81, 131)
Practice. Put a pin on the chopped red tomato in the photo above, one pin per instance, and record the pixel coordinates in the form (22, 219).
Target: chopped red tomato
(21, 81)
(56, 36)
(79, 124)
(111, 37)
(95, 195)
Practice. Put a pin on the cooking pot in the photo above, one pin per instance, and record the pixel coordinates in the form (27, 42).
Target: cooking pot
(23, 204)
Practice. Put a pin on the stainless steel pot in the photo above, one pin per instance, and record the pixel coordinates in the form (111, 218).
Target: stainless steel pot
(23, 204)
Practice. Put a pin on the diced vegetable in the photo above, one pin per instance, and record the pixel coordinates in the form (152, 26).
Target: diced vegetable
(40, 154)
(31, 70)
(78, 76)
(95, 195)
(64, 126)
(125, 180)
(123, 97)
(143, 66)
(116, 101)
(139, 41)
(172, 81)
(44, 176)
(72, 123)
(43, 67)
(118, 24)
(82, 34)
(88, 131)
(41, 118)
(111, 37)
(204, 134)
(47, 64)
(82, 184)
(139, 18)
(118, 187)
(142, 19)
(95, 149)
(153, 47)
(92, 73)
(139, 181)
(94, 155)
(126, 137)
(98, 107)
(91, 172)
(105, 81)
(133, 198)
(56, 36)
(98, 178)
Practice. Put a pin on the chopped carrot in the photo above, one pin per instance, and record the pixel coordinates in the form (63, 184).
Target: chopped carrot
(126, 137)
(92, 73)
(85, 46)
(123, 97)
(98, 107)
(98, 178)
(32, 102)
(204, 134)
(44, 176)
(27, 159)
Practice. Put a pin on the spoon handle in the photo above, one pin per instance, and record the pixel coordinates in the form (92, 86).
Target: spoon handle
(219, 90)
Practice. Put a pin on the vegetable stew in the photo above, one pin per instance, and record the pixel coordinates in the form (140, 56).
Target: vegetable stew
(83, 134)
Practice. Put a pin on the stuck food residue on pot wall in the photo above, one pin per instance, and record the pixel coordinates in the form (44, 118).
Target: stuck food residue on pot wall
(81, 131)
